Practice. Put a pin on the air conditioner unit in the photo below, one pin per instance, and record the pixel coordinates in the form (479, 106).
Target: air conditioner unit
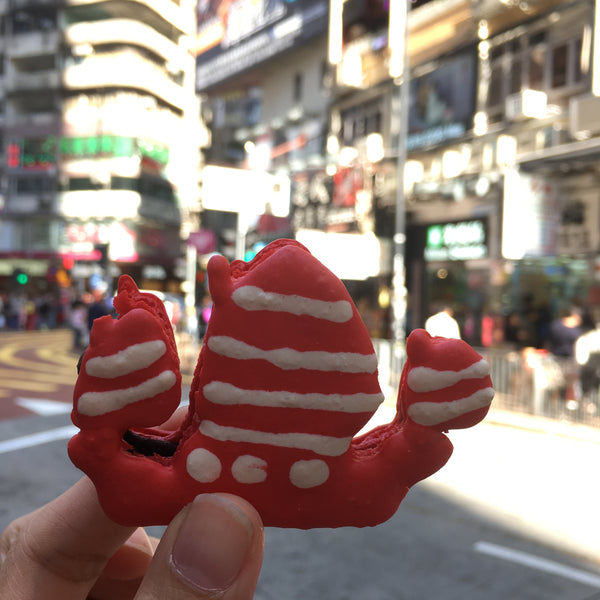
(526, 104)
(584, 115)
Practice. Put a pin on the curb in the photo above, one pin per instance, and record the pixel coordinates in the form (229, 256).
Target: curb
(544, 425)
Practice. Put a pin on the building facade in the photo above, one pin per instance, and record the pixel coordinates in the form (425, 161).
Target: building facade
(100, 137)
(501, 172)
(500, 178)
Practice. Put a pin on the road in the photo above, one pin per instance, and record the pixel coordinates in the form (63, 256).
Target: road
(37, 369)
(513, 515)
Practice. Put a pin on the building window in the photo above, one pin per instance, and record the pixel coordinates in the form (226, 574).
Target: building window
(560, 66)
(29, 184)
(297, 92)
(359, 121)
(543, 60)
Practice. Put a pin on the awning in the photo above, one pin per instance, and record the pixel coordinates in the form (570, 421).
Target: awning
(576, 154)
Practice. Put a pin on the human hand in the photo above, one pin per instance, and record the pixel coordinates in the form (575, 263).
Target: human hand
(69, 549)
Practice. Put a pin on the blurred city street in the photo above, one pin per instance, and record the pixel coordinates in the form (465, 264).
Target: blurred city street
(512, 515)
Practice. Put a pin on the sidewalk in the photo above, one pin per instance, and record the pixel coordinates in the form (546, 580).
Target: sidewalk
(542, 424)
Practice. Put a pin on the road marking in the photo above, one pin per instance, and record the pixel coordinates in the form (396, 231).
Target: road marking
(44, 408)
(537, 562)
(36, 439)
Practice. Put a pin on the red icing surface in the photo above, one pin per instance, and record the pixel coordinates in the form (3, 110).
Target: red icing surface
(359, 484)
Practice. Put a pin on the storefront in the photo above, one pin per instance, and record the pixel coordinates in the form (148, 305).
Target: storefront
(449, 264)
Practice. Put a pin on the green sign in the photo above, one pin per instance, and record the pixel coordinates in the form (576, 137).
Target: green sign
(465, 240)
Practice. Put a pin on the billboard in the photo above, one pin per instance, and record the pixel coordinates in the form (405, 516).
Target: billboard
(236, 35)
(442, 102)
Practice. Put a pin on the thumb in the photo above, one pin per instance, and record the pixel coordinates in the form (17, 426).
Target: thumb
(212, 549)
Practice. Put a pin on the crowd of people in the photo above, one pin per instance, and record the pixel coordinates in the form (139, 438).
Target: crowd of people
(65, 309)
(564, 344)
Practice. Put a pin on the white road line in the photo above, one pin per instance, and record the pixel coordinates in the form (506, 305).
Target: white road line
(43, 407)
(537, 562)
(36, 439)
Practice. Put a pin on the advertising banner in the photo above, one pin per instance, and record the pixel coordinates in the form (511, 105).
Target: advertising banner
(531, 216)
(442, 102)
(235, 35)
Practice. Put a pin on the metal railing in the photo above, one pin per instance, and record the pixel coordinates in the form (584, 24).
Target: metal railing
(530, 382)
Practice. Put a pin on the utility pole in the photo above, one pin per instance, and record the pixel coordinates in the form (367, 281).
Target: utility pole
(399, 71)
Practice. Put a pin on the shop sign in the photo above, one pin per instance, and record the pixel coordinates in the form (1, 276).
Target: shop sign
(465, 240)
(326, 203)
(531, 215)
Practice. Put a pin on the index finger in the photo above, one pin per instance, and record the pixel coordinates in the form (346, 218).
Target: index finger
(59, 550)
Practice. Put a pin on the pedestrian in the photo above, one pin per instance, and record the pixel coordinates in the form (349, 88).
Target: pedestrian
(98, 307)
(79, 325)
(564, 332)
(587, 355)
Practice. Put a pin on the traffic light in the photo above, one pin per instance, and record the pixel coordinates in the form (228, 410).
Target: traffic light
(20, 277)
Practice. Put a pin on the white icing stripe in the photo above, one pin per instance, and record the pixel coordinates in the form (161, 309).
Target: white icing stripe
(425, 379)
(250, 297)
(321, 444)
(434, 413)
(288, 359)
(133, 358)
(93, 404)
(220, 392)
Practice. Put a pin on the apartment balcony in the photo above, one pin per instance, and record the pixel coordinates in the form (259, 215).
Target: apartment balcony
(37, 81)
(127, 31)
(124, 69)
(157, 13)
(34, 43)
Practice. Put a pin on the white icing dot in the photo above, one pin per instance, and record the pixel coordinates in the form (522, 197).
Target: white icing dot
(249, 469)
(203, 465)
(309, 473)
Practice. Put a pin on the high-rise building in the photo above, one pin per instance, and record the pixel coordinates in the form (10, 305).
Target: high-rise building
(99, 125)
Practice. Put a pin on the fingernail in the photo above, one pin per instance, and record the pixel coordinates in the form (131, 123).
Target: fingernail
(212, 543)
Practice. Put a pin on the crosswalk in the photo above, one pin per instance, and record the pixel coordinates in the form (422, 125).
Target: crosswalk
(35, 367)
(38, 370)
